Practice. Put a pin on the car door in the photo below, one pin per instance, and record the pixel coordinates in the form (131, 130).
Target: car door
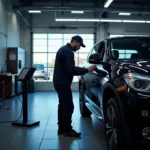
(87, 76)
(103, 71)
(92, 81)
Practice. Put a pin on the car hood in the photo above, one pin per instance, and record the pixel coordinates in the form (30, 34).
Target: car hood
(138, 66)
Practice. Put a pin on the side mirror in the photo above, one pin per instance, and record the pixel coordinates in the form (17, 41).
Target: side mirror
(95, 59)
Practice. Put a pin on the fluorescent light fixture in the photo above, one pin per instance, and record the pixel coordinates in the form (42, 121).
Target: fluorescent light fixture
(108, 2)
(125, 14)
(89, 20)
(78, 20)
(134, 21)
(102, 20)
(34, 11)
(77, 12)
(110, 20)
(63, 19)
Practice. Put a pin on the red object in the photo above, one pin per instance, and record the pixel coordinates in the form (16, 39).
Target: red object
(12, 52)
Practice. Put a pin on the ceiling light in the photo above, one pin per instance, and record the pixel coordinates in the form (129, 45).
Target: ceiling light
(125, 14)
(89, 20)
(133, 21)
(78, 20)
(108, 2)
(101, 20)
(110, 20)
(63, 19)
(34, 11)
(77, 12)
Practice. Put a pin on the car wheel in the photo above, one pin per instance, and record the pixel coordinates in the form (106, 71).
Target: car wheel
(114, 132)
(84, 111)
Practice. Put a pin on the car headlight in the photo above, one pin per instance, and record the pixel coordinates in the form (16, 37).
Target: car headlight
(138, 82)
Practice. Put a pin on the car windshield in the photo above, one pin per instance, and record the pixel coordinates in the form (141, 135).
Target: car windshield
(39, 66)
(130, 48)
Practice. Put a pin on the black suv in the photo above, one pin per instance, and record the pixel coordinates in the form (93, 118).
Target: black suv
(118, 91)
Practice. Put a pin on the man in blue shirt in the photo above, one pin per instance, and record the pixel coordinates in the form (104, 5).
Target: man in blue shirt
(64, 71)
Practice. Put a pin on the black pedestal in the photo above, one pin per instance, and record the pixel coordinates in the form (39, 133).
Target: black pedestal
(29, 123)
(25, 122)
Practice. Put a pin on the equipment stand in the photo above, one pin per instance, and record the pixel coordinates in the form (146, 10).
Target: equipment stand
(25, 122)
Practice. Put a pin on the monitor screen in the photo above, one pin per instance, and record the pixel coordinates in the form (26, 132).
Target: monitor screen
(23, 73)
(26, 74)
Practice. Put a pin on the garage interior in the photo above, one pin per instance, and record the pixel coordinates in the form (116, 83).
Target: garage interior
(38, 28)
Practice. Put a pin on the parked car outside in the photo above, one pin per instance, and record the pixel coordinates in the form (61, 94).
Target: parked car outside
(118, 91)
(41, 72)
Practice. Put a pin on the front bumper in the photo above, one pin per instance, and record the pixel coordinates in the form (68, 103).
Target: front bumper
(137, 114)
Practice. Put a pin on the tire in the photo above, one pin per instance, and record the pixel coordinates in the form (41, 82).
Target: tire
(84, 111)
(115, 137)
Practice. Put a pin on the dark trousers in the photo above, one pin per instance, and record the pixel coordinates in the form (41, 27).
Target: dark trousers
(65, 106)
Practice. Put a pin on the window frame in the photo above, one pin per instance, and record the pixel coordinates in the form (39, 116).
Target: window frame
(48, 52)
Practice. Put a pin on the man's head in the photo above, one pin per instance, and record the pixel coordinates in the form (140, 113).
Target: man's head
(76, 42)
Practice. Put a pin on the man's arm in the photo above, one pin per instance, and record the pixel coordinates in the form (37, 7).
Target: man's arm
(79, 71)
(70, 66)
(72, 69)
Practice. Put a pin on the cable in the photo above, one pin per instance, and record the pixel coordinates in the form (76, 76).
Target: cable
(19, 116)
(13, 120)
(20, 113)
(20, 92)
(2, 105)
(19, 99)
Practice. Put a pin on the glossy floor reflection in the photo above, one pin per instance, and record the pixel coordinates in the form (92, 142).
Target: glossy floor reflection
(42, 106)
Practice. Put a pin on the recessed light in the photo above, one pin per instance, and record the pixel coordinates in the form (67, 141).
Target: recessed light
(125, 14)
(134, 21)
(77, 12)
(34, 11)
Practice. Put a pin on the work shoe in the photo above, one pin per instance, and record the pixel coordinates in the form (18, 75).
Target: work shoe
(60, 131)
(71, 133)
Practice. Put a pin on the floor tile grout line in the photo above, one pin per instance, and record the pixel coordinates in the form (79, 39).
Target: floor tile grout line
(78, 144)
(44, 131)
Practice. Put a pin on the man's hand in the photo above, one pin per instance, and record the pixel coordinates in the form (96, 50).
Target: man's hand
(91, 68)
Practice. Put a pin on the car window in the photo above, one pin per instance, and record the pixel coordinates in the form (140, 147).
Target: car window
(127, 53)
(131, 48)
(98, 48)
(89, 54)
(105, 57)
(92, 51)
(39, 66)
(101, 49)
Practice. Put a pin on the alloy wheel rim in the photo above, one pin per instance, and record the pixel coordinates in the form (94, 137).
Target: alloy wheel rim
(111, 130)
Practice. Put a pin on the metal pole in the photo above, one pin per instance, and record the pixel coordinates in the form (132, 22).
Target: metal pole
(25, 102)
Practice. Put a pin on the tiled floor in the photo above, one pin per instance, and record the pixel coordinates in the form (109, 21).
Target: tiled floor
(42, 106)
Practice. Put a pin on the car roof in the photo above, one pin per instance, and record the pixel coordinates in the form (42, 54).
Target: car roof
(126, 37)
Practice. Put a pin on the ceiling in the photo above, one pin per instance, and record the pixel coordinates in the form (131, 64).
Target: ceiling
(133, 6)
(139, 9)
